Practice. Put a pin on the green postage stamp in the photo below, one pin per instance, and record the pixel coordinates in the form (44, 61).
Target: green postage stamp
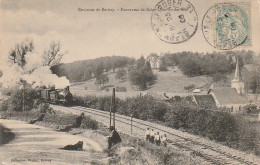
(227, 25)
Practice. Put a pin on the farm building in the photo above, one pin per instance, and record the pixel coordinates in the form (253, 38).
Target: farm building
(228, 97)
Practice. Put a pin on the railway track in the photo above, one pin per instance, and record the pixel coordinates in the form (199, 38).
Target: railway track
(211, 152)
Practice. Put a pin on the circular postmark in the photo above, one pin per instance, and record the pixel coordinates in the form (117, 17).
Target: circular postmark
(174, 21)
(225, 26)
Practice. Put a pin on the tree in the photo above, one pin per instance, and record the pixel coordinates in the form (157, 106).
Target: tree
(140, 62)
(102, 80)
(142, 77)
(52, 56)
(17, 55)
(219, 77)
(254, 85)
(147, 66)
(163, 66)
(120, 74)
(98, 69)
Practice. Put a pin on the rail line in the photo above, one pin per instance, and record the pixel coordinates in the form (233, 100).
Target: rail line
(207, 152)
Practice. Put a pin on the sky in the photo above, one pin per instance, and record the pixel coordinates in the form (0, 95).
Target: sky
(91, 34)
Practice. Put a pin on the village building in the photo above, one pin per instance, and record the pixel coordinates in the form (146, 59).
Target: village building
(230, 97)
(154, 60)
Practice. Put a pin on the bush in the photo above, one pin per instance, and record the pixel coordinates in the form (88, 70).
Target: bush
(145, 107)
(91, 101)
(43, 107)
(89, 123)
(3, 105)
(251, 108)
(163, 66)
(15, 100)
(232, 130)
(36, 103)
(247, 138)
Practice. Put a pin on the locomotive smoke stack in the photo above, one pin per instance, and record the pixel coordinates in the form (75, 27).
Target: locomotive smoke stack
(67, 88)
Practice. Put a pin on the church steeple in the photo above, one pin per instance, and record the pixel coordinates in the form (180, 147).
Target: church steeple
(237, 82)
(237, 76)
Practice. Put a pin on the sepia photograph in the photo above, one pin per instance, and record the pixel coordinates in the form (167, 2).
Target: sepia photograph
(151, 82)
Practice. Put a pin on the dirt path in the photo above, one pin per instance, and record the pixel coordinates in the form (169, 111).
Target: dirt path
(34, 144)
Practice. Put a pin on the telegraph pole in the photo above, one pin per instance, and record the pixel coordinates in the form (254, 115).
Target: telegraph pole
(131, 124)
(110, 113)
(113, 106)
(22, 87)
(23, 98)
(256, 90)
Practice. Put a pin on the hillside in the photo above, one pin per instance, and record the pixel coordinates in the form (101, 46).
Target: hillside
(85, 70)
(172, 82)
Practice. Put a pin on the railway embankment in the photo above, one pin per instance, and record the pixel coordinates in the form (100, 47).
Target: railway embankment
(131, 150)
(195, 146)
(181, 113)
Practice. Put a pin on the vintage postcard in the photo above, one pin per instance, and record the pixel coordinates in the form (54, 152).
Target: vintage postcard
(130, 82)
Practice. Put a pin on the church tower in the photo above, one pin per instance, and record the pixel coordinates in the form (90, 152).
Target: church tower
(237, 82)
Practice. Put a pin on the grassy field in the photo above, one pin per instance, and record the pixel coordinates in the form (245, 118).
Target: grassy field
(172, 82)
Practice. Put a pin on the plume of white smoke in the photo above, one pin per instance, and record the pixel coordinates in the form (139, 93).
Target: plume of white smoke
(33, 73)
(33, 61)
(12, 75)
(42, 76)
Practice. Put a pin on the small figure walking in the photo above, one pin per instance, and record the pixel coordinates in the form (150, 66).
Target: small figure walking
(147, 134)
(152, 136)
(164, 140)
(157, 139)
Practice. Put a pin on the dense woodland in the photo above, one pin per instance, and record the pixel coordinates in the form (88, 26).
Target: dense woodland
(196, 64)
(87, 69)
(215, 64)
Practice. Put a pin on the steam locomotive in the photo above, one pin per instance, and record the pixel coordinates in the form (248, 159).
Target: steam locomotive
(56, 96)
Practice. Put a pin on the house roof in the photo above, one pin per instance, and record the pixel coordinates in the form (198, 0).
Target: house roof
(205, 100)
(153, 57)
(227, 96)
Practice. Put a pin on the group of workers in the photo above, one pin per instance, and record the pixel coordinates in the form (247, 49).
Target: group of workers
(150, 136)
(153, 137)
